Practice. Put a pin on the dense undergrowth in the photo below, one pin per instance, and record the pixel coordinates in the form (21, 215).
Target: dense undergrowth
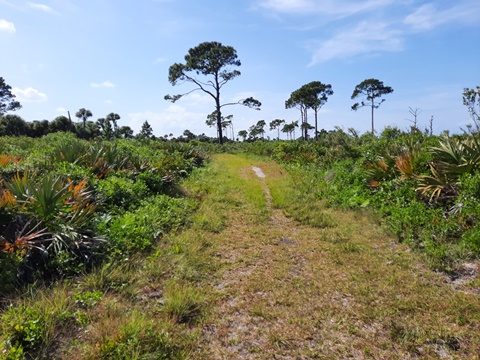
(70, 207)
(66, 203)
(426, 188)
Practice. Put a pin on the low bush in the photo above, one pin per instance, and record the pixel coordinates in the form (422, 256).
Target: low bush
(137, 230)
(118, 193)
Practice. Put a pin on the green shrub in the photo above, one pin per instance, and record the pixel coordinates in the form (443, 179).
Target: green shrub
(72, 171)
(469, 185)
(345, 185)
(407, 223)
(471, 240)
(120, 192)
(138, 230)
(155, 183)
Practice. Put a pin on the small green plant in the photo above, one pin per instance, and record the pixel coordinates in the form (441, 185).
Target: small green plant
(82, 318)
(26, 335)
(88, 299)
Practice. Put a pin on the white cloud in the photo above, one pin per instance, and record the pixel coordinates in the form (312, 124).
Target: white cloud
(363, 39)
(287, 6)
(61, 110)
(42, 7)
(428, 17)
(422, 18)
(108, 102)
(107, 84)
(29, 95)
(175, 119)
(328, 7)
(7, 26)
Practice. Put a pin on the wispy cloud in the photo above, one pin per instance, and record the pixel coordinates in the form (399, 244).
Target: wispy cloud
(428, 17)
(107, 84)
(327, 7)
(42, 7)
(7, 26)
(29, 95)
(364, 38)
(384, 31)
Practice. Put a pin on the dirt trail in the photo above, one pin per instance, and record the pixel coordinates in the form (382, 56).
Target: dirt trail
(245, 329)
(290, 291)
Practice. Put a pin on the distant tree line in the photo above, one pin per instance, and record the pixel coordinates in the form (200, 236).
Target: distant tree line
(105, 128)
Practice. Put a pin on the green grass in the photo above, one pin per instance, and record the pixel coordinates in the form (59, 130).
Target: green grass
(345, 286)
(299, 199)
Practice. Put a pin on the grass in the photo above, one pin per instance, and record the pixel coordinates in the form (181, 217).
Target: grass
(183, 303)
(313, 282)
(264, 270)
(297, 199)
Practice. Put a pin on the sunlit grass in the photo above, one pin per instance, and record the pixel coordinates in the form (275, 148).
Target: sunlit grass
(297, 200)
(322, 283)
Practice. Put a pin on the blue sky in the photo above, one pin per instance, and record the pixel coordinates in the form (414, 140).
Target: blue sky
(114, 55)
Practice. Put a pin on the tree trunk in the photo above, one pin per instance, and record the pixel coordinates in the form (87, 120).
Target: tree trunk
(219, 113)
(306, 123)
(373, 107)
(219, 121)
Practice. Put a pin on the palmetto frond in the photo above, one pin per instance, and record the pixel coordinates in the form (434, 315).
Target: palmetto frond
(454, 158)
(380, 169)
(29, 236)
(438, 185)
(404, 164)
(457, 157)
